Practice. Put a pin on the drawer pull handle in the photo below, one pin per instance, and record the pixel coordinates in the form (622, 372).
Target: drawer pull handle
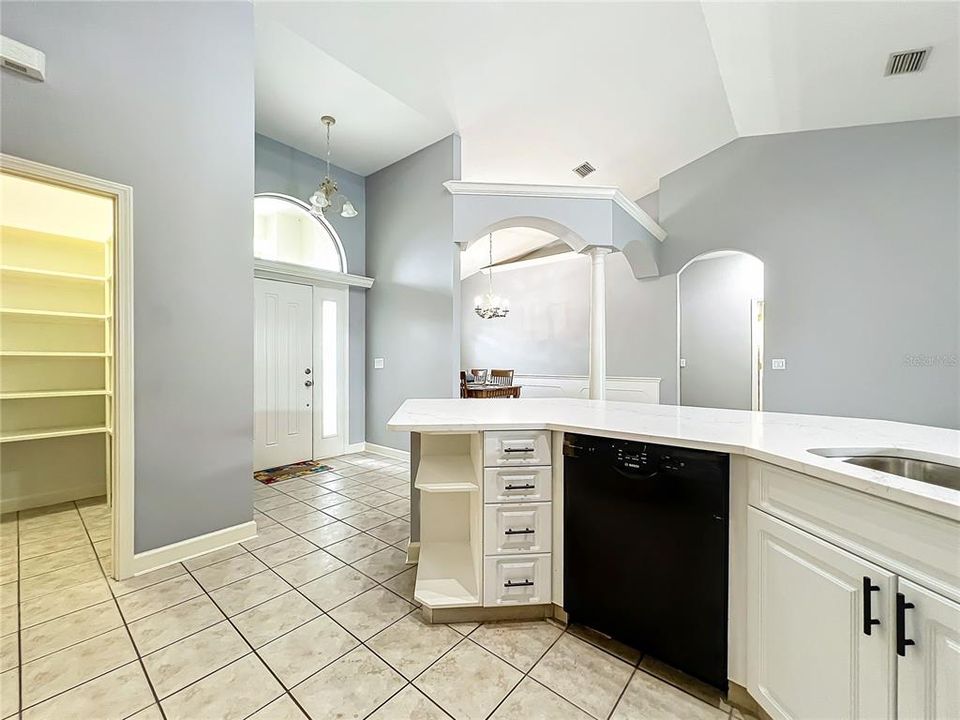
(525, 531)
(518, 450)
(902, 639)
(522, 583)
(868, 620)
(528, 486)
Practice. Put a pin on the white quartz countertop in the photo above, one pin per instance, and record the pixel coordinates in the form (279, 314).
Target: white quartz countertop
(782, 439)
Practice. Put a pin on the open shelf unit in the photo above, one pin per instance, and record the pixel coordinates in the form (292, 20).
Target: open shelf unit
(56, 343)
(448, 476)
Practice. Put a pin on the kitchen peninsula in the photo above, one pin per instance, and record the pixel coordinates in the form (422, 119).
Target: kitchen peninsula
(840, 576)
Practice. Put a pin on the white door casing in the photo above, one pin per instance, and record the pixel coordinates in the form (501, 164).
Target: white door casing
(928, 673)
(283, 387)
(808, 653)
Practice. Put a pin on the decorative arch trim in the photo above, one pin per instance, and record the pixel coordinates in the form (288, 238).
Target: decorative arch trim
(319, 218)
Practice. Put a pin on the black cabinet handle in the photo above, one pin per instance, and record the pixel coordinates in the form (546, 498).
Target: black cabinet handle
(523, 583)
(515, 450)
(868, 620)
(519, 487)
(902, 639)
(525, 531)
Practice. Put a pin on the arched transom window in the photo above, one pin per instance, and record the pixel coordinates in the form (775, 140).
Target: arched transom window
(285, 230)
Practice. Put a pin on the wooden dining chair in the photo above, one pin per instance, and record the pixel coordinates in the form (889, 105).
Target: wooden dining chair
(479, 374)
(463, 384)
(501, 377)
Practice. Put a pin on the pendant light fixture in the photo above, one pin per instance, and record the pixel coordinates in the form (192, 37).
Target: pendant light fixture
(490, 306)
(328, 195)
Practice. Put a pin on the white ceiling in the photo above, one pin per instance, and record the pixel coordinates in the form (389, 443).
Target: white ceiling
(508, 245)
(638, 89)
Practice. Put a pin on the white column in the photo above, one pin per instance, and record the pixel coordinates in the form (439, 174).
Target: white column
(598, 324)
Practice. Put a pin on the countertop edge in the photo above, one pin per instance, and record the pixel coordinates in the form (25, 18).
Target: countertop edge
(850, 480)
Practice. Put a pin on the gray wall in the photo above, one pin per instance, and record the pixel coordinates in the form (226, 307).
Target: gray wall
(282, 169)
(413, 317)
(858, 232)
(159, 96)
(547, 330)
(716, 331)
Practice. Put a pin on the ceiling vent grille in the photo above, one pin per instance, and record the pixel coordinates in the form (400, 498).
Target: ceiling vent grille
(584, 169)
(907, 61)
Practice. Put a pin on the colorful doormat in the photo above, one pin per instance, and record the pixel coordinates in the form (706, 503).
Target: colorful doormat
(288, 472)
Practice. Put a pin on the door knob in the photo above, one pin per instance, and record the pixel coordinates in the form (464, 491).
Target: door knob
(307, 371)
(308, 383)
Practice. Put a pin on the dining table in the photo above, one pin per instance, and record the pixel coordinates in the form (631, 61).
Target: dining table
(492, 390)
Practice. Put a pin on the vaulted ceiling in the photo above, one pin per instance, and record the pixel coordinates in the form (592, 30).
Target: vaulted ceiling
(637, 89)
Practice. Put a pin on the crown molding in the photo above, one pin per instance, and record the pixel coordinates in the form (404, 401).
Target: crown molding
(275, 270)
(585, 192)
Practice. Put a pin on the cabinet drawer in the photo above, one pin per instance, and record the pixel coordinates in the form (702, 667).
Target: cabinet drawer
(517, 484)
(516, 447)
(516, 580)
(516, 528)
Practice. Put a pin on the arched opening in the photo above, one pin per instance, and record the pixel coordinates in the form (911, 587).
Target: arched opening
(544, 284)
(287, 230)
(720, 331)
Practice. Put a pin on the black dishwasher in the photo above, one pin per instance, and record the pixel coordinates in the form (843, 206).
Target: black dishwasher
(645, 548)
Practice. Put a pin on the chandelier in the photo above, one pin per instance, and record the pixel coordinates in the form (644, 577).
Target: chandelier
(328, 195)
(490, 306)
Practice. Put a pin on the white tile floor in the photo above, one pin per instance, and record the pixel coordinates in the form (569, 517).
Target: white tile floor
(313, 618)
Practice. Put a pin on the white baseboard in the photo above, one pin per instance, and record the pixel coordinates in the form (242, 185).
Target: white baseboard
(387, 451)
(413, 553)
(353, 448)
(51, 497)
(186, 549)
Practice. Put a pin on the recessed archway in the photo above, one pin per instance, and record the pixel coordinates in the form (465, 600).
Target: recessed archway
(720, 331)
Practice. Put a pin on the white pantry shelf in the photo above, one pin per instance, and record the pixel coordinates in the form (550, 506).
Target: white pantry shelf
(38, 236)
(44, 353)
(53, 314)
(43, 434)
(446, 473)
(51, 394)
(52, 274)
(446, 576)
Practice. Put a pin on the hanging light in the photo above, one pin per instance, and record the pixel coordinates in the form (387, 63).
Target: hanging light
(328, 195)
(490, 306)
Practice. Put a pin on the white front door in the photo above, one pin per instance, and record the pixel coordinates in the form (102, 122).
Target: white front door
(330, 365)
(284, 377)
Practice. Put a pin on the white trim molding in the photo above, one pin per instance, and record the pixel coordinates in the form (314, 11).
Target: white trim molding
(353, 448)
(587, 192)
(192, 547)
(629, 389)
(387, 451)
(122, 484)
(290, 272)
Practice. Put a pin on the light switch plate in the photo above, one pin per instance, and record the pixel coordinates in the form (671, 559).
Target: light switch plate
(778, 364)
(378, 363)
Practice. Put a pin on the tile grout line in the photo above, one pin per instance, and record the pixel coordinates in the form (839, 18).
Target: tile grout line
(96, 677)
(123, 619)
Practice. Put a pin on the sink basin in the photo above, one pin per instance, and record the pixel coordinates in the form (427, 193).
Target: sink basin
(932, 469)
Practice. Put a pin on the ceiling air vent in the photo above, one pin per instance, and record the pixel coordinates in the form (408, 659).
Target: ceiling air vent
(584, 169)
(907, 61)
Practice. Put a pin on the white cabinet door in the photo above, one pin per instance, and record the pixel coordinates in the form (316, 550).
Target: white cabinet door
(284, 378)
(809, 654)
(928, 672)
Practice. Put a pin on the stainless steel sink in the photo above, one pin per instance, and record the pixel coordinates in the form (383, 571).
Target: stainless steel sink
(915, 466)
